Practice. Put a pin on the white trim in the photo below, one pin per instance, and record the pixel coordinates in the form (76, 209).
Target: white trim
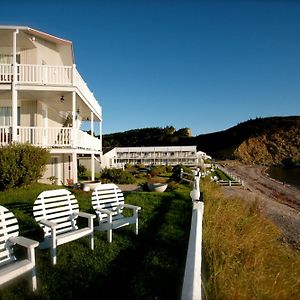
(14, 91)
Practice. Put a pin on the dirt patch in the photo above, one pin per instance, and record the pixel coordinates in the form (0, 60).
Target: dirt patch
(279, 202)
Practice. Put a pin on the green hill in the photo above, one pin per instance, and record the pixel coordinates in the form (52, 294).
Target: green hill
(260, 141)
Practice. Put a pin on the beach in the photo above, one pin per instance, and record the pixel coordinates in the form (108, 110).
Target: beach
(278, 201)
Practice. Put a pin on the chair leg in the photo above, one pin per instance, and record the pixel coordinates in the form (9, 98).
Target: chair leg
(31, 257)
(53, 246)
(53, 255)
(109, 235)
(33, 275)
(136, 227)
(92, 241)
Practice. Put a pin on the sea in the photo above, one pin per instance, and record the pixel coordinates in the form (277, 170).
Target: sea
(286, 175)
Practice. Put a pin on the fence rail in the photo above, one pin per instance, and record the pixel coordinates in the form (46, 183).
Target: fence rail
(192, 283)
(234, 180)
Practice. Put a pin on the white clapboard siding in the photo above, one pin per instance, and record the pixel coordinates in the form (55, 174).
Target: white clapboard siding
(10, 267)
(60, 207)
(108, 203)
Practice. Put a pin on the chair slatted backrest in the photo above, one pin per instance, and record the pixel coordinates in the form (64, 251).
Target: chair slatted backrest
(108, 196)
(8, 228)
(58, 206)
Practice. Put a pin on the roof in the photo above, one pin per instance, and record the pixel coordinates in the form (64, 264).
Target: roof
(40, 34)
(156, 149)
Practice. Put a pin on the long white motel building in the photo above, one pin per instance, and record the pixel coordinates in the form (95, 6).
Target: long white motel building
(163, 155)
(44, 100)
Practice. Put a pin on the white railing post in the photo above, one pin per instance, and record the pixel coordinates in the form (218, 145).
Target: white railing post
(73, 80)
(192, 283)
(195, 193)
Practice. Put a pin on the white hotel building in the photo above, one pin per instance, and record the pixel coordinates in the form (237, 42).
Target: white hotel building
(162, 155)
(44, 101)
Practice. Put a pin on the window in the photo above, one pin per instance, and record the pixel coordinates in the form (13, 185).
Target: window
(6, 116)
(8, 59)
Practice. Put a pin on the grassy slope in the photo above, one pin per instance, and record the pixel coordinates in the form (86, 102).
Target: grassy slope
(244, 254)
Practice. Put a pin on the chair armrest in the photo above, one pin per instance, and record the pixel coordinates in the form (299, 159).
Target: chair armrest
(23, 241)
(130, 206)
(47, 223)
(86, 215)
(105, 211)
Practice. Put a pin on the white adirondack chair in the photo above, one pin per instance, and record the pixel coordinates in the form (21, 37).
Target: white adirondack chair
(10, 266)
(56, 211)
(108, 202)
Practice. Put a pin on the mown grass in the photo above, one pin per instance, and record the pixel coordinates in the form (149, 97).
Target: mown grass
(147, 266)
(245, 255)
(244, 252)
(221, 175)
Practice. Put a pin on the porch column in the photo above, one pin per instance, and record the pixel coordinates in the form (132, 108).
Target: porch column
(93, 167)
(93, 155)
(92, 123)
(74, 142)
(74, 169)
(45, 117)
(14, 90)
(100, 133)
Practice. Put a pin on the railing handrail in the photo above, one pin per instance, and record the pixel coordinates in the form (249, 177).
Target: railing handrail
(51, 137)
(82, 86)
(192, 283)
(51, 75)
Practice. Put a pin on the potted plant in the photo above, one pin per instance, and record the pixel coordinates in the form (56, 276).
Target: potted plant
(157, 184)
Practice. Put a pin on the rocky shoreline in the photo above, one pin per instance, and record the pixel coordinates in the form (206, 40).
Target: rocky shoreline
(279, 202)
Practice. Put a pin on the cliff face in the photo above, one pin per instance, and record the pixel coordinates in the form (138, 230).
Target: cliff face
(272, 148)
(266, 141)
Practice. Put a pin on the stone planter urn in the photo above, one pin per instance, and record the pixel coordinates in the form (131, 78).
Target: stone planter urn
(157, 187)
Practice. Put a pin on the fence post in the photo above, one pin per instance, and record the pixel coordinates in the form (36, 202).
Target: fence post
(192, 282)
(195, 193)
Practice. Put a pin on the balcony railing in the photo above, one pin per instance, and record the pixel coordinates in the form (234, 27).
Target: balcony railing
(43, 74)
(53, 137)
(49, 75)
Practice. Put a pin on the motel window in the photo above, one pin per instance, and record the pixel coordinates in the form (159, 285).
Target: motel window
(6, 116)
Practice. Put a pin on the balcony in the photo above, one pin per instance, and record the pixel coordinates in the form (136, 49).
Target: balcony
(47, 75)
(53, 137)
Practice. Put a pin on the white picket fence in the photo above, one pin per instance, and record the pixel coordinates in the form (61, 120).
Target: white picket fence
(236, 181)
(192, 283)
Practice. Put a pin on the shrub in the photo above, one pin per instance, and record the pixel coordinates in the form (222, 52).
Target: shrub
(177, 171)
(117, 176)
(21, 164)
(157, 170)
(81, 171)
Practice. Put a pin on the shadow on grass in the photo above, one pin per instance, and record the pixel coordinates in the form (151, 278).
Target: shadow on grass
(152, 267)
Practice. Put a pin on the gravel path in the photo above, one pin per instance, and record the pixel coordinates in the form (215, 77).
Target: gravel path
(279, 202)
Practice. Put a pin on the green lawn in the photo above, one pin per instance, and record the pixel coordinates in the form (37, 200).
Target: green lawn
(221, 175)
(147, 266)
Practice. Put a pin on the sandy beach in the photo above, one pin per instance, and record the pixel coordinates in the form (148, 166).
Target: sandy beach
(279, 202)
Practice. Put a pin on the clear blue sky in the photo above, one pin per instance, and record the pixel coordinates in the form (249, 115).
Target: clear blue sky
(207, 65)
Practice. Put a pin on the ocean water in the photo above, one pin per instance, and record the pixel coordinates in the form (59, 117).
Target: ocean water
(287, 175)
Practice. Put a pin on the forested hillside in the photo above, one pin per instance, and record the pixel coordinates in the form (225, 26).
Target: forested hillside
(263, 140)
